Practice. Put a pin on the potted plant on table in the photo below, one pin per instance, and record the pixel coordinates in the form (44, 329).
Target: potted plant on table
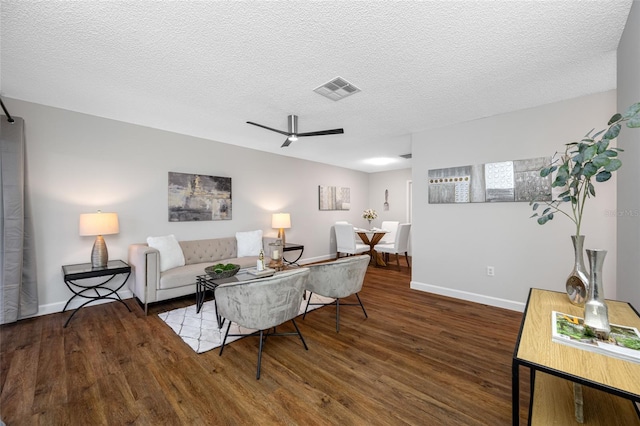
(583, 163)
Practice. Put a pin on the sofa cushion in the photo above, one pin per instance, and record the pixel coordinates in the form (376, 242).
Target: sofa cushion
(186, 275)
(211, 250)
(249, 243)
(170, 252)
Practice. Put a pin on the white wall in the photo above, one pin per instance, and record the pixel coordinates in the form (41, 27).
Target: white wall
(454, 243)
(396, 182)
(79, 163)
(629, 175)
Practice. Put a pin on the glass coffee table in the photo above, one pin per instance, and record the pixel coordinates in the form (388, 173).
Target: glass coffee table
(206, 283)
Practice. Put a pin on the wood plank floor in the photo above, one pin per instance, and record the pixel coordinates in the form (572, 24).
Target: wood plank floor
(418, 359)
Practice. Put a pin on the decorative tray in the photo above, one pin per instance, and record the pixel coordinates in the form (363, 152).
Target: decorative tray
(266, 272)
(217, 272)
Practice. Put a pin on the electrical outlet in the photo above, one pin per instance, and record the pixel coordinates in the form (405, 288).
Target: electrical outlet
(490, 271)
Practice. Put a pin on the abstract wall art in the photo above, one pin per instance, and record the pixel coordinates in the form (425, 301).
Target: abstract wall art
(195, 197)
(491, 182)
(334, 197)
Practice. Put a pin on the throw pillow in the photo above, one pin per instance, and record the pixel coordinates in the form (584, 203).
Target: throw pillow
(249, 243)
(171, 255)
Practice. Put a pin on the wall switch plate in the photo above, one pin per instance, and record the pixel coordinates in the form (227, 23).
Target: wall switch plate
(491, 271)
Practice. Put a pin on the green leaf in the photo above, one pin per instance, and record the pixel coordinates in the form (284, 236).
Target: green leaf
(601, 160)
(559, 182)
(602, 145)
(589, 170)
(563, 170)
(603, 176)
(599, 133)
(577, 169)
(566, 199)
(589, 153)
(550, 216)
(542, 220)
(546, 210)
(613, 132)
(616, 117)
(535, 206)
(564, 194)
(614, 164)
(632, 110)
(634, 122)
(592, 190)
(545, 172)
(533, 215)
(610, 153)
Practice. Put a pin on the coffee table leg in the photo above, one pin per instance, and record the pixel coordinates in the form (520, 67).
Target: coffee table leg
(199, 295)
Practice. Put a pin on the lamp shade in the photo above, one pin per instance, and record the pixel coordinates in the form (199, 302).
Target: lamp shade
(99, 223)
(281, 220)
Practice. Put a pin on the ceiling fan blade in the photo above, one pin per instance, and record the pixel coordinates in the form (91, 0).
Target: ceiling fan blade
(286, 143)
(323, 132)
(268, 128)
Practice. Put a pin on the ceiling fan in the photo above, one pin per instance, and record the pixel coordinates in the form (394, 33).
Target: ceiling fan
(293, 135)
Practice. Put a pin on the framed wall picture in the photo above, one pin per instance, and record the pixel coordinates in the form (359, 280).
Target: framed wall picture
(195, 197)
(334, 197)
(517, 180)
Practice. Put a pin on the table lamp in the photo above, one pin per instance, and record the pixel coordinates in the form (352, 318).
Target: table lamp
(281, 221)
(99, 224)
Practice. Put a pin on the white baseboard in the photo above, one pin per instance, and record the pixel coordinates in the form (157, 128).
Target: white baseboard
(53, 308)
(471, 297)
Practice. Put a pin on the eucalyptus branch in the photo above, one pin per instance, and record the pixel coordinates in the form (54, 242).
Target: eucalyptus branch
(581, 162)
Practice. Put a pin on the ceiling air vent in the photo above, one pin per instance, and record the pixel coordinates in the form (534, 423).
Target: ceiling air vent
(406, 156)
(337, 89)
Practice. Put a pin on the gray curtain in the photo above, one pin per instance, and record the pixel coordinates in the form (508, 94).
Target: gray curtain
(18, 281)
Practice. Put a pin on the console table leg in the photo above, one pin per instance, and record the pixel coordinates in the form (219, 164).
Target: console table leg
(578, 402)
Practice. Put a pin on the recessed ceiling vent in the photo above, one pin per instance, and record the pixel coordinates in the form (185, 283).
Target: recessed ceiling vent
(406, 156)
(337, 89)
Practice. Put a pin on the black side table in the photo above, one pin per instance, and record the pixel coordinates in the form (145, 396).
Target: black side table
(94, 291)
(292, 247)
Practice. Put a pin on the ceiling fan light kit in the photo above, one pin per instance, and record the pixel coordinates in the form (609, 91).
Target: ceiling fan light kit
(293, 135)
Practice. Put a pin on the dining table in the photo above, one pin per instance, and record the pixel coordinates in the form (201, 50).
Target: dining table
(371, 237)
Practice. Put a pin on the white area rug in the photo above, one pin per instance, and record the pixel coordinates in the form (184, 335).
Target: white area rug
(200, 330)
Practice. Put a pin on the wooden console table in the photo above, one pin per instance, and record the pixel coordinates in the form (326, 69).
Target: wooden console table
(612, 383)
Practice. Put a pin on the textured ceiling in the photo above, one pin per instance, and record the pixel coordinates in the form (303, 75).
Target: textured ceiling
(205, 68)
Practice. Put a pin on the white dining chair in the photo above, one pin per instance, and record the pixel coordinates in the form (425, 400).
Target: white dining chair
(400, 245)
(391, 226)
(346, 240)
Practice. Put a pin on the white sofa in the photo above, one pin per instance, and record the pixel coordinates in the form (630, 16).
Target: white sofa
(151, 285)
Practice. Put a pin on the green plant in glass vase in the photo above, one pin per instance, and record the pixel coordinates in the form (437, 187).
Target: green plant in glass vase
(583, 163)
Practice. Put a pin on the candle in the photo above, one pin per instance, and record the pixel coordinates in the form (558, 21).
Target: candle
(259, 266)
(275, 255)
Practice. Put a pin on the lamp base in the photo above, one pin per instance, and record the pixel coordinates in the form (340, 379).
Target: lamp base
(99, 253)
(281, 236)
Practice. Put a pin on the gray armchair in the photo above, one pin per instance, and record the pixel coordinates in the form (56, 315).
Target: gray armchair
(338, 279)
(263, 304)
